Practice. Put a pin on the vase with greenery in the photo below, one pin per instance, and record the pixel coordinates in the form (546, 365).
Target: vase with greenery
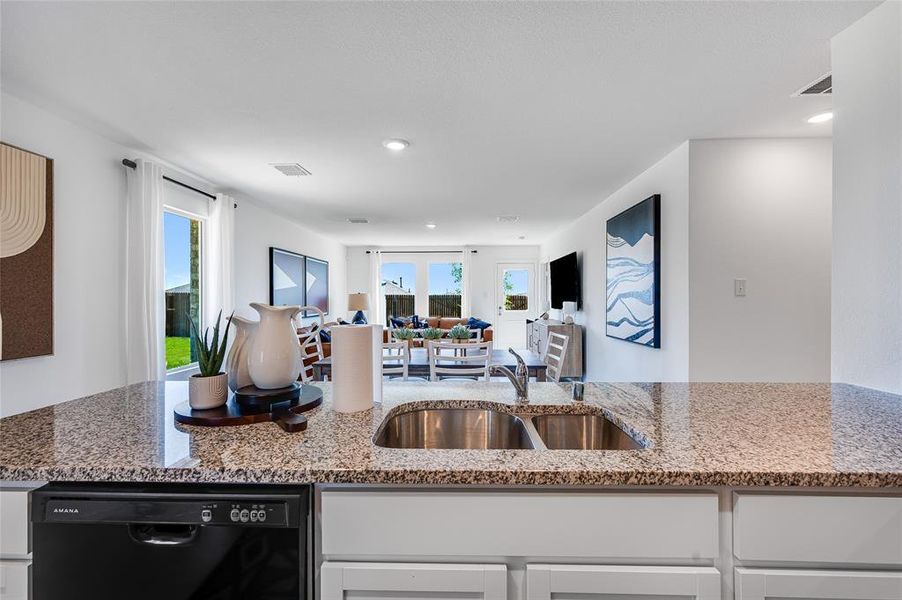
(433, 333)
(459, 333)
(209, 388)
(403, 334)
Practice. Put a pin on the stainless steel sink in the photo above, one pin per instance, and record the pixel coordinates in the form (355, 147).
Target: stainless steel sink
(454, 428)
(582, 432)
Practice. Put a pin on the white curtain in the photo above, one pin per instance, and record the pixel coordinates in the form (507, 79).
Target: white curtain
(465, 286)
(377, 300)
(145, 324)
(218, 275)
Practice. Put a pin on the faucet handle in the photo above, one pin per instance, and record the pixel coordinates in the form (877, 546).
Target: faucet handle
(521, 364)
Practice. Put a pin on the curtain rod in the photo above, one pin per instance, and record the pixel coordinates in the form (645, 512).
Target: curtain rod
(419, 251)
(133, 165)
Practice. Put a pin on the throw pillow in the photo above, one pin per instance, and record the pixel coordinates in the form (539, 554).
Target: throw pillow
(474, 323)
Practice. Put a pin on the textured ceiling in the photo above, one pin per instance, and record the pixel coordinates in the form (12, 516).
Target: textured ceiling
(533, 109)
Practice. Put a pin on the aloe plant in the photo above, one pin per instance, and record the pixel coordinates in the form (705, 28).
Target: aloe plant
(210, 353)
(459, 332)
(432, 333)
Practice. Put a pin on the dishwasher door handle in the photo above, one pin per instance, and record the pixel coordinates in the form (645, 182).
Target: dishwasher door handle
(163, 535)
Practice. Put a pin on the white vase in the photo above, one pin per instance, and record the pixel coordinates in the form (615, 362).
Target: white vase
(274, 360)
(236, 364)
(207, 392)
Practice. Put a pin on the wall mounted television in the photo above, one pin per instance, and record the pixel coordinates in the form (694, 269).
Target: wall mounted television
(565, 281)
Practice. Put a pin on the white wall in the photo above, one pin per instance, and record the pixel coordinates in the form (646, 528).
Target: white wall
(609, 359)
(256, 229)
(867, 201)
(759, 209)
(482, 278)
(88, 269)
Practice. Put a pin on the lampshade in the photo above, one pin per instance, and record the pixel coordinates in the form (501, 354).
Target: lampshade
(569, 308)
(358, 301)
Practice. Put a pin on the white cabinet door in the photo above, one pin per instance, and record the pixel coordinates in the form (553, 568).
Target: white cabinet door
(548, 582)
(412, 581)
(14, 578)
(786, 584)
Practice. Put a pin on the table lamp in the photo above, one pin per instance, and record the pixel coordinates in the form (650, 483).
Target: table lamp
(359, 302)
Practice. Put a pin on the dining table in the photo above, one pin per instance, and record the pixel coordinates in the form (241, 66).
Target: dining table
(419, 364)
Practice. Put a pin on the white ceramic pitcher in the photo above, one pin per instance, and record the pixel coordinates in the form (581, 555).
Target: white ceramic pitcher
(236, 364)
(274, 359)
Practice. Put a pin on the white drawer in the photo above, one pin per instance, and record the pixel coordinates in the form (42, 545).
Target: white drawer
(14, 522)
(14, 578)
(860, 530)
(789, 584)
(388, 523)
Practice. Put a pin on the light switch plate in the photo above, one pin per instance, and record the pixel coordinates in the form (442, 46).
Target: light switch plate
(739, 286)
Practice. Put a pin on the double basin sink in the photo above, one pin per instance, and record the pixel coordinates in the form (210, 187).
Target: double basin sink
(486, 429)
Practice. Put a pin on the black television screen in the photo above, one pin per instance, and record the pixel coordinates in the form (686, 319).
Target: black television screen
(565, 285)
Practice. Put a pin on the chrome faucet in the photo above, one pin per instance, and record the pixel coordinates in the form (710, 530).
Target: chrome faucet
(520, 378)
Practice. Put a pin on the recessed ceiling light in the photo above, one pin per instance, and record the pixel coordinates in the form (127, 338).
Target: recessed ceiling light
(396, 144)
(430, 225)
(821, 117)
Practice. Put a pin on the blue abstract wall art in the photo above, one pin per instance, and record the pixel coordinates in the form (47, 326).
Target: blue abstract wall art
(634, 274)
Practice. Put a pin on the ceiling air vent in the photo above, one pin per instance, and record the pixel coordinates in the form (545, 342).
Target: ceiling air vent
(508, 219)
(822, 85)
(358, 220)
(291, 169)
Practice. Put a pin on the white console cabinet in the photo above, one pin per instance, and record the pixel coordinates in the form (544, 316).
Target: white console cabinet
(414, 581)
(593, 582)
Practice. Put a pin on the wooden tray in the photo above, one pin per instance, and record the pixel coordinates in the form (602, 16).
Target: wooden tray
(251, 405)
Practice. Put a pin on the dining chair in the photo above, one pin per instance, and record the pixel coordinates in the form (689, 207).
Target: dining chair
(396, 359)
(450, 359)
(311, 344)
(555, 352)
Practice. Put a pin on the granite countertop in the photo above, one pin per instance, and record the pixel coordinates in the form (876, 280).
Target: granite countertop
(701, 434)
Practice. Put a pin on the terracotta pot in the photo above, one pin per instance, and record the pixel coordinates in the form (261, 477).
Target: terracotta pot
(207, 392)
(236, 364)
(274, 360)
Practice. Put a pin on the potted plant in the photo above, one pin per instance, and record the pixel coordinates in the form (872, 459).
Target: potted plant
(404, 334)
(432, 333)
(209, 388)
(460, 334)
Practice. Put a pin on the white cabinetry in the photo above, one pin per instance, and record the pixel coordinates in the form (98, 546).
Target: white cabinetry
(412, 581)
(789, 584)
(15, 543)
(588, 582)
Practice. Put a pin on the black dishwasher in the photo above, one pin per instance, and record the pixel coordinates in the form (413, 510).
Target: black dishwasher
(188, 542)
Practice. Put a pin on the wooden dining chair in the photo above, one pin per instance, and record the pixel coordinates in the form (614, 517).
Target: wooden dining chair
(468, 360)
(311, 343)
(396, 359)
(555, 353)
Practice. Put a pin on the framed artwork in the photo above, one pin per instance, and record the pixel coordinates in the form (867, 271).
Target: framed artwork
(26, 254)
(287, 276)
(633, 250)
(317, 285)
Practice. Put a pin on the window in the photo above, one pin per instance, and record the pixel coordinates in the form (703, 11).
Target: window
(181, 245)
(445, 283)
(516, 289)
(399, 288)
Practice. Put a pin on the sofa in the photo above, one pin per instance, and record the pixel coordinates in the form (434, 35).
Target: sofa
(445, 324)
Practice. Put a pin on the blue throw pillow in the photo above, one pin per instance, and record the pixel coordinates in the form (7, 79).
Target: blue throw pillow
(325, 337)
(400, 322)
(474, 323)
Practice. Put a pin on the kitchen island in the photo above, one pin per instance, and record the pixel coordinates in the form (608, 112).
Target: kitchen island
(746, 491)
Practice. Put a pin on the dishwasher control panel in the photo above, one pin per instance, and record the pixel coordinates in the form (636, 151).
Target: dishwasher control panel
(202, 511)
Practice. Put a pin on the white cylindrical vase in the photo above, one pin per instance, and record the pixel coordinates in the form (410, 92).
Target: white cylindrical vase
(274, 360)
(356, 367)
